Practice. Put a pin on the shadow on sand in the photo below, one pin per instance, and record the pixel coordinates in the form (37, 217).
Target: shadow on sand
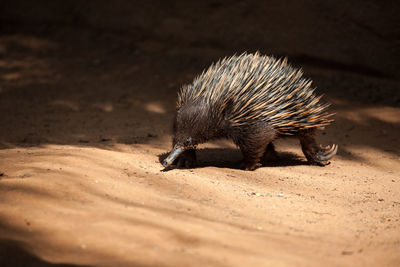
(12, 254)
(230, 158)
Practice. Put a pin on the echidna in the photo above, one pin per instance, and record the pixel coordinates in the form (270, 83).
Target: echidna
(251, 99)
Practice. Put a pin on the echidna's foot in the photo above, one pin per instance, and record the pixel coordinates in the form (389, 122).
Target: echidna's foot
(314, 153)
(322, 156)
(186, 160)
(249, 165)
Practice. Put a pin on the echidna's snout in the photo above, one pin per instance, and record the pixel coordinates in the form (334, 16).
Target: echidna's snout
(173, 156)
(180, 146)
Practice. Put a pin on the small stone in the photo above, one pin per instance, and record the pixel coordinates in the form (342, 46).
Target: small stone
(347, 252)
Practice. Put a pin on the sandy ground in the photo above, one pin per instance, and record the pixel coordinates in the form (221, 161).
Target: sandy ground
(85, 119)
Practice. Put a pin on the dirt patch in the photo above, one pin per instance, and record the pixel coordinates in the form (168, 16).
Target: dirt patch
(86, 106)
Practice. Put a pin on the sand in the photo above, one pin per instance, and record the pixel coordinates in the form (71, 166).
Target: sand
(86, 118)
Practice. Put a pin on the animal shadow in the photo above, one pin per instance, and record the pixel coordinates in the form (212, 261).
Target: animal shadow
(230, 158)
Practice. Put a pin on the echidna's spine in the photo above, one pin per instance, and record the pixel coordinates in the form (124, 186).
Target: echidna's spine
(258, 88)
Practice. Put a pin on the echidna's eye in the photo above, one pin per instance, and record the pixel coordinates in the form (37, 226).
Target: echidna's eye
(188, 141)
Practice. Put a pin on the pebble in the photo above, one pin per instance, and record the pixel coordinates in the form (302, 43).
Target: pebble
(347, 252)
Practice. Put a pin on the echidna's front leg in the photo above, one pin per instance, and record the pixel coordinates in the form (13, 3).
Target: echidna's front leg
(186, 160)
(251, 157)
(253, 143)
(314, 153)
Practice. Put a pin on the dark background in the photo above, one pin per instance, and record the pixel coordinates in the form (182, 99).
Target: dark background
(63, 62)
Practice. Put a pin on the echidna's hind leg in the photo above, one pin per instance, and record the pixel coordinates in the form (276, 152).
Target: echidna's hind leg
(253, 142)
(314, 153)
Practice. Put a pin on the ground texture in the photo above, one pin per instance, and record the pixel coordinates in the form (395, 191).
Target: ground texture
(87, 98)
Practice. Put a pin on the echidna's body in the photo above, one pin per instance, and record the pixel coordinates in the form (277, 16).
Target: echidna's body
(251, 99)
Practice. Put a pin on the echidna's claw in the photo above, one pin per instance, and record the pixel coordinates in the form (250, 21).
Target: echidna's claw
(327, 154)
